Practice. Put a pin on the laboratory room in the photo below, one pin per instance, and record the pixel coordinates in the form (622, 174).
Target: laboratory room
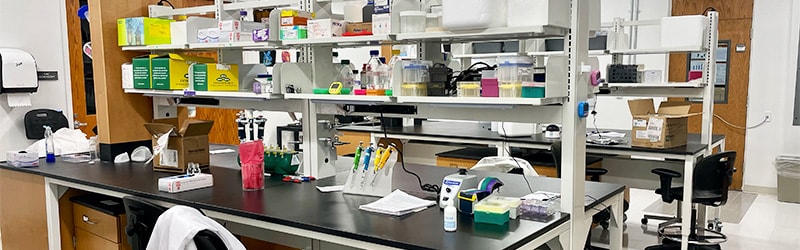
(399, 124)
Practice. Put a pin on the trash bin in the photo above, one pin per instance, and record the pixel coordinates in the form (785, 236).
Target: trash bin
(788, 167)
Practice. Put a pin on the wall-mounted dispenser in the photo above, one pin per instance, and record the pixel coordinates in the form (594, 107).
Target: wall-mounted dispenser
(18, 77)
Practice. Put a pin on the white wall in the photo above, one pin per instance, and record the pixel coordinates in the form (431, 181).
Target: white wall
(46, 39)
(773, 60)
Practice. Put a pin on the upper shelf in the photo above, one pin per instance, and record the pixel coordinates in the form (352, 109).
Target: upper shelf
(342, 41)
(236, 45)
(478, 101)
(653, 51)
(155, 47)
(204, 94)
(505, 33)
(672, 89)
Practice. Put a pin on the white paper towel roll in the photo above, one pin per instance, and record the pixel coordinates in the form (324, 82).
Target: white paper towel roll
(19, 100)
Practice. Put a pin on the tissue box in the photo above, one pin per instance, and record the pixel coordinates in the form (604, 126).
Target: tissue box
(143, 31)
(22, 159)
(171, 71)
(382, 24)
(294, 32)
(320, 28)
(180, 183)
(188, 142)
(231, 36)
(261, 35)
(210, 35)
(127, 76)
(236, 25)
(216, 77)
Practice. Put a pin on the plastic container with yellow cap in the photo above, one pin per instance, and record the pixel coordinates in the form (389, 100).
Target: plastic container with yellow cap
(491, 212)
(469, 89)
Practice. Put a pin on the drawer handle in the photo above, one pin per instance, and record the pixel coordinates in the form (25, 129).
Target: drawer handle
(88, 221)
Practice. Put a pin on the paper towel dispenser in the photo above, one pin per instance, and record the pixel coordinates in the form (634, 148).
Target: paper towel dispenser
(17, 71)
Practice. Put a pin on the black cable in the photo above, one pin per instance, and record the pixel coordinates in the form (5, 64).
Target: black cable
(425, 187)
(596, 200)
(161, 3)
(508, 151)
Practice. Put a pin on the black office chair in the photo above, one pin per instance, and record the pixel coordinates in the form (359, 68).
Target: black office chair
(712, 177)
(141, 219)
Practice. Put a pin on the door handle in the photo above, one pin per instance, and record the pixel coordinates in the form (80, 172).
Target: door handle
(79, 124)
(87, 220)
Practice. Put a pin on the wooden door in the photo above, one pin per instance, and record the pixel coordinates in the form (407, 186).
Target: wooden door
(736, 18)
(82, 82)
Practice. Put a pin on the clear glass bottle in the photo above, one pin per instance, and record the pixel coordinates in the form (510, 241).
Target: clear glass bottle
(346, 74)
(49, 145)
(384, 75)
(372, 69)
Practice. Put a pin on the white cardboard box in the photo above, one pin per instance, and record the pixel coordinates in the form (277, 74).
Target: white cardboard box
(127, 76)
(382, 24)
(326, 28)
(180, 183)
(236, 25)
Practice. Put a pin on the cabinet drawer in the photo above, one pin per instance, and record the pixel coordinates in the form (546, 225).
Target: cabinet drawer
(353, 138)
(96, 222)
(87, 241)
(455, 162)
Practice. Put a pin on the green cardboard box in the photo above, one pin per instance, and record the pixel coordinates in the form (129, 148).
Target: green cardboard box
(171, 71)
(141, 72)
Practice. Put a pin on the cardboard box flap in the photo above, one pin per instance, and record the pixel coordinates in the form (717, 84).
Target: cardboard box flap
(195, 128)
(158, 129)
(674, 108)
(641, 107)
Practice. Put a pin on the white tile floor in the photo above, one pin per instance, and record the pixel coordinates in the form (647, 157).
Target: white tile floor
(768, 224)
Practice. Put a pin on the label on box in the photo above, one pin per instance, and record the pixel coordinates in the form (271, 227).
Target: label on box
(524, 71)
(642, 134)
(654, 128)
(639, 123)
(169, 158)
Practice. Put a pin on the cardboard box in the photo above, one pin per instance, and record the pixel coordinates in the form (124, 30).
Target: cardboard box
(216, 77)
(666, 128)
(297, 13)
(294, 21)
(236, 25)
(22, 159)
(231, 36)
(142, 71)
(181, 183)
(127, 76)
(143, 31)
(261, 35)
(171, 71)
(188, 142)
(359, 27)
(294, 32)
(210, 35)
(325, 28)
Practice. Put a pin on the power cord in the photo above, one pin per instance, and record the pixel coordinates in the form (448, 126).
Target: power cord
(766, 119)
(508, 151)
(425, 187)
(161, 3)
(596, 200)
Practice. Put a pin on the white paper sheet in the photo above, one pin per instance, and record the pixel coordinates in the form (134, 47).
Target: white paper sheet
(16, 100)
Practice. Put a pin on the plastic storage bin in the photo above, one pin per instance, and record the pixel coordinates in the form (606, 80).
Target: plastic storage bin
(469, 89)
(533, 89)
(511, 73)
(415, 79)
(412, 21)
(473, 14)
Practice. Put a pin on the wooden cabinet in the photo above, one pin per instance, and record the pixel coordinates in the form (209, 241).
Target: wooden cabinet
(98, 230)
(353, 138)
(455, 162)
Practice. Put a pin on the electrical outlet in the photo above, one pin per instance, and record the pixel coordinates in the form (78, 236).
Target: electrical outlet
(768, 116)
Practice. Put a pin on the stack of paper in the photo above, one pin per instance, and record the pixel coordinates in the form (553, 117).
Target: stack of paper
(397, 203)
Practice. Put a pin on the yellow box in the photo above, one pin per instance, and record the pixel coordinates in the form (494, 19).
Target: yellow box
(297, 13)
(171, 71)
(143, 31)
(216, 77)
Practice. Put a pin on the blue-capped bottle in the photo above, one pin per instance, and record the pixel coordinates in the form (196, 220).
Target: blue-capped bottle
(49, 145)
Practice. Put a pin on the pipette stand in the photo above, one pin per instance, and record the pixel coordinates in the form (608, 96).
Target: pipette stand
(382, 185)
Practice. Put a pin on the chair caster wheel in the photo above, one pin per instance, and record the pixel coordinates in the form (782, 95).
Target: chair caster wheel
(644, 221)
(624, 218)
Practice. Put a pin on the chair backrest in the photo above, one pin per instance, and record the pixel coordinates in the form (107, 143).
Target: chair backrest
(715, 174)
(37, 118)
(141, 219)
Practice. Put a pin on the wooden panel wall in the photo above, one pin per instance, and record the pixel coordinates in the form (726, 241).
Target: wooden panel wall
(735, 25)
(224, 131)
(22, 211)
(119, 116)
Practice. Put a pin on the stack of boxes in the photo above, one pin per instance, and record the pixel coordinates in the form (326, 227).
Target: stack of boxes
(229, 31)
(294, 24)
(171, 72)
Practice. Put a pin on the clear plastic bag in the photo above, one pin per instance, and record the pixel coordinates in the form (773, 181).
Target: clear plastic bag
(788, 165)
(504, 164)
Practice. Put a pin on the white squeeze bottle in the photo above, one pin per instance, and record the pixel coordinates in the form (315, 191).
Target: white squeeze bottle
(450, 217)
